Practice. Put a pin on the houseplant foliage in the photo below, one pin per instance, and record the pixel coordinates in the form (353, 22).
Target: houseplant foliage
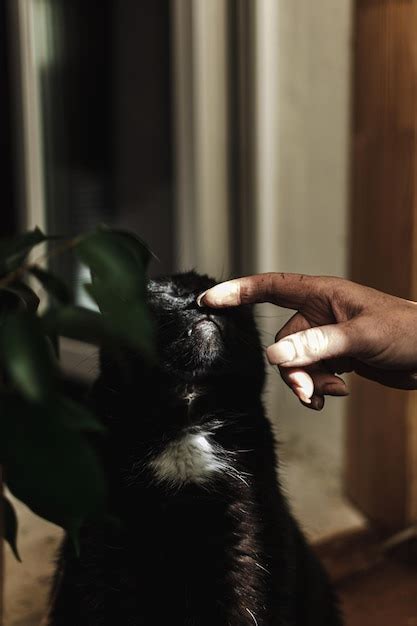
(46, 456)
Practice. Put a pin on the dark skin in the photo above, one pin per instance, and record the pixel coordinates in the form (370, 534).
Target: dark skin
(339, 326)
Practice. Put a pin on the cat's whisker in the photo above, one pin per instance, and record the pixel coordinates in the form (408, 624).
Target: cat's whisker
(255, 621)
(234, 473)
(261, 567)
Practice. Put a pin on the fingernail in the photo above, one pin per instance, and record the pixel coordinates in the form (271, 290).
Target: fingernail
(317, 403)
(200, 298)
(223, 294)
(281, 352)
(335, 389)
(303, 396)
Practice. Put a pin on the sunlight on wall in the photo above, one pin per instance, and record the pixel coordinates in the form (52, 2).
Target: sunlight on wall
(303, 176)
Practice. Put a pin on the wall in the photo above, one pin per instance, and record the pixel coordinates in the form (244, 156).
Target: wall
(283, 207)
(312, 164)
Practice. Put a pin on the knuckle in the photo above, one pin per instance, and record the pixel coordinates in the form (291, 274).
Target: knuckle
(314, 342)
(245, 289)
(249, 288)
(269, 283)
(369, 335)
(240, 289)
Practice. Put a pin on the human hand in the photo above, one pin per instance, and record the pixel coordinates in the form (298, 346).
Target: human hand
(340, 326)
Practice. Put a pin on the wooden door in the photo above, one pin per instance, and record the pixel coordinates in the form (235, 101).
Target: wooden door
(381, 458)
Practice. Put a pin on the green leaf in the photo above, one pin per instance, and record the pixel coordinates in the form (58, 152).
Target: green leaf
(117, 261)
(16, 298)
(26, 356)
(51, 467)
(136, 245)
(131, 323)
(52, 284)
(102, 296)
(134, 328)
(10, 525)
(14, 250)
(130, 327)
(76, 417)
(29, 301)
(10, 304)
(78, 323)
(113, 262)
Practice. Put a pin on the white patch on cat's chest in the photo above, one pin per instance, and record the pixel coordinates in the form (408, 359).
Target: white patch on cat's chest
(192, 458)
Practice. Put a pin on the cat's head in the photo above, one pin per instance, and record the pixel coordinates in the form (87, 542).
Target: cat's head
(198, 342)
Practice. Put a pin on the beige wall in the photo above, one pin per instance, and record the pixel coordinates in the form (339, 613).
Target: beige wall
(314, 83)
(305, 55)
(294, 56)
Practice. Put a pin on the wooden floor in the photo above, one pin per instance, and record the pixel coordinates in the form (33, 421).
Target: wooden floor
(376, 578)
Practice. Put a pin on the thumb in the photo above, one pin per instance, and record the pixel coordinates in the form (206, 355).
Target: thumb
(314, 344)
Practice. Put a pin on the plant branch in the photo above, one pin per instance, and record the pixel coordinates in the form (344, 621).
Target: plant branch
(10, 278)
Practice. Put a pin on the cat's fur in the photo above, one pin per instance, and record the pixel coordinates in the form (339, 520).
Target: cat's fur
(207, 536)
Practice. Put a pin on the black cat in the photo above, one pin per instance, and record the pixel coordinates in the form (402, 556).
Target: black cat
(207, 538)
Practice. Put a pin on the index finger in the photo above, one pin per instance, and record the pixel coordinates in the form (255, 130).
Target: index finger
(286, 290)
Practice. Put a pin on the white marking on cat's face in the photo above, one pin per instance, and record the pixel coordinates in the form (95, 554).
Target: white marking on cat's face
(192, 458)
(190, 397)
